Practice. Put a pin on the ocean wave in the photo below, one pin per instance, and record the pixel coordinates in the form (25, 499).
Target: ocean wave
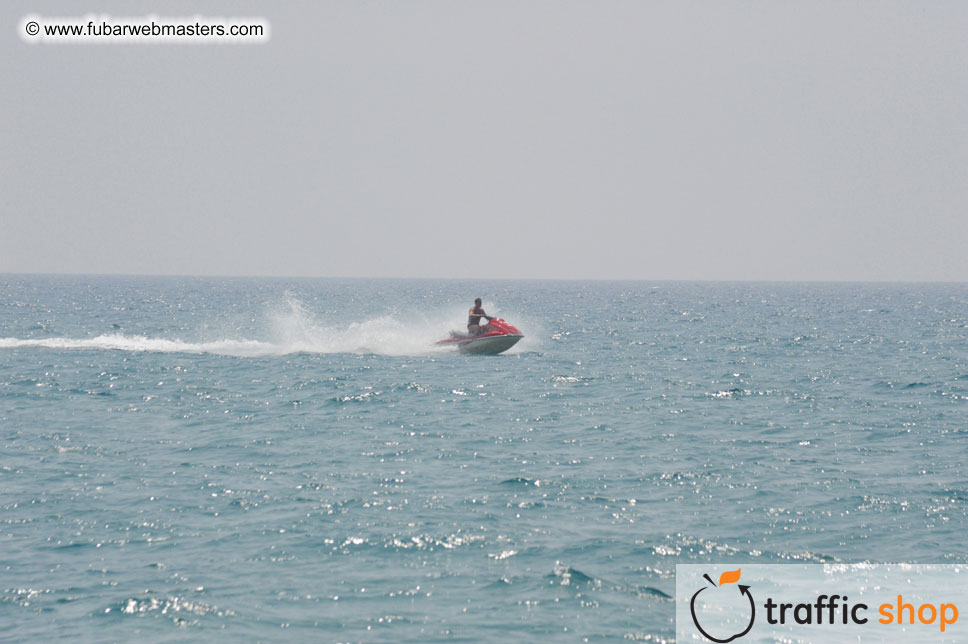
(171, 605)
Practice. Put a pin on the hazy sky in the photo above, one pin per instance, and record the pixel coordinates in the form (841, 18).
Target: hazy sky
(645, 140)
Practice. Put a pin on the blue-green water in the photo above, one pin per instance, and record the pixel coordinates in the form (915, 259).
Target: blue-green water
(268, 460)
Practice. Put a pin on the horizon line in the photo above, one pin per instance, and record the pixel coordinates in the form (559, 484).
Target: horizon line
(498, 279)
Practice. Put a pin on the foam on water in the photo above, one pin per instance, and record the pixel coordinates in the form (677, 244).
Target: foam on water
(120, 342)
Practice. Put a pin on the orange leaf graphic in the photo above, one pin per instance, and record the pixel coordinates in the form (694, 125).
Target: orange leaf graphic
(729, 577)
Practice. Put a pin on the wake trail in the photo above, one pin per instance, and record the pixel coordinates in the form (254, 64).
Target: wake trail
(290, 329)
(379, 336)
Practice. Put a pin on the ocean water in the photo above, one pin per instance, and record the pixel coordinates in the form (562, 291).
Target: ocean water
(189, 459)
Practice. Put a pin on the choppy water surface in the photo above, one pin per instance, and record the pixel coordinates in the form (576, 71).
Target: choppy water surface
(258, 459)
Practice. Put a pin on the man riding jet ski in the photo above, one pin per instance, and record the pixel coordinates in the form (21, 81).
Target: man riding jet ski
(474, 317)
(490, 339)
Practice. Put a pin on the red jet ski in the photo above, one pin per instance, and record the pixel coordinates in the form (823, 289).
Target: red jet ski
(495, 336)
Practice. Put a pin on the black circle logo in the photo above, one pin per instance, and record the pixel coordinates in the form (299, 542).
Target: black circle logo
(728, 577)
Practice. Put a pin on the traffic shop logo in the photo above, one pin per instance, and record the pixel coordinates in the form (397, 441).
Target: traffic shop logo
(738, 600)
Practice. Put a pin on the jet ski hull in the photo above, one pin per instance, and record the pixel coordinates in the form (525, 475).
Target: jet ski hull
(489, 346)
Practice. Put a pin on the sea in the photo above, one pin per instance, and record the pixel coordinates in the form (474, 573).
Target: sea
(266, 460)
